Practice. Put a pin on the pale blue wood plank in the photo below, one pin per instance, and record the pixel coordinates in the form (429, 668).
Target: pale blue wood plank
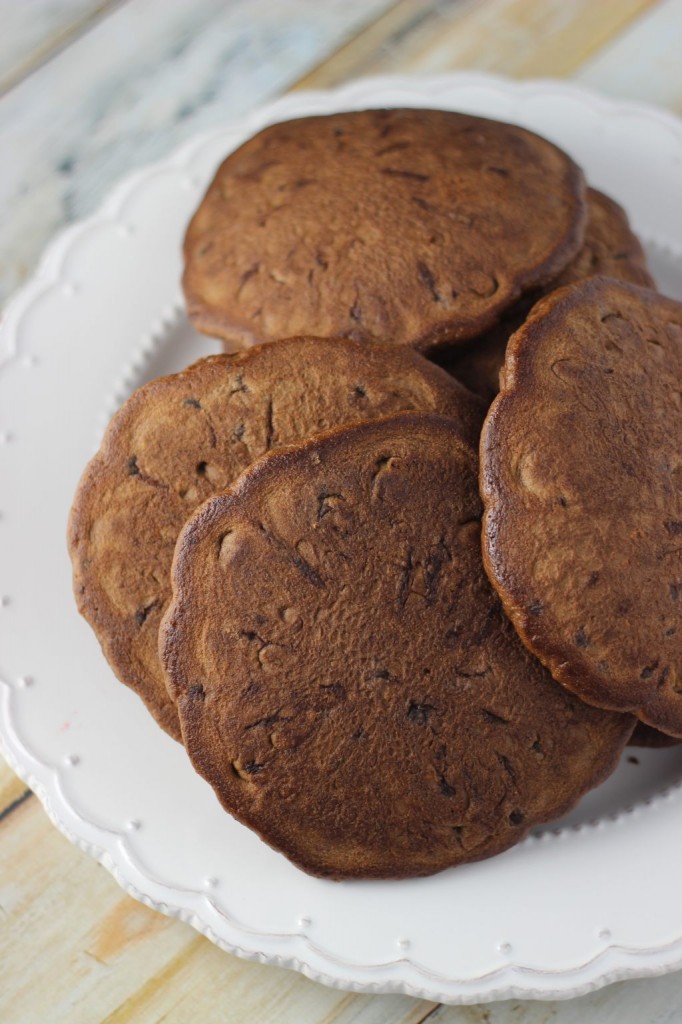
(32, 29)
(142, 80)
(645, 62)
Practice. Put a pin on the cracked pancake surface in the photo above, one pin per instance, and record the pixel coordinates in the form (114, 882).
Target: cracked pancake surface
(405, 226)
(581, 475)
(344, 674)
(181, 438)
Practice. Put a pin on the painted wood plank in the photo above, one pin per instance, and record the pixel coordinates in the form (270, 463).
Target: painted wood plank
(103, 956)
(645, 1001)
(644, 62)
(32, 29)
(144, 79)
(191, 987)
(12, 789)
(521, 38)
(95, 946)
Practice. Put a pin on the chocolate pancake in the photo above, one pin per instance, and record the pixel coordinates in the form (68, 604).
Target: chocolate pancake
(414, 227)
(645, 736)
(611, 248)
(581, 476)
(182, 438)
(344, 675)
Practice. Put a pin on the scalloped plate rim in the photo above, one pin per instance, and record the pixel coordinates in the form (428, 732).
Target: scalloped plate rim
(510, 979)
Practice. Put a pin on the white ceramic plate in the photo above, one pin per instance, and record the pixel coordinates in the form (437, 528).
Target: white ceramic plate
(571, 908)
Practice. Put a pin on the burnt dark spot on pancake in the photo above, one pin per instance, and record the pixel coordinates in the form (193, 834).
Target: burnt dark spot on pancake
(334, 690)
(581, 638)
(325, 503)
(433, 567)
(380, 673)
(488, 626)
(308, 572)
(405, 579)
(267, 721)
(395, 147)
(445, 787)
(419, 713)
(493, 718)
(269, 425)
(423, 204)
(507, 765)
(248, 274)
(394, 172)
(426, 277)
(142, 614)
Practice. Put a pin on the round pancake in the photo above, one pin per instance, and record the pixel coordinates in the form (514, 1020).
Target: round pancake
(182, 438)
(581, 476)
(610, 248)
(344, 675)
(414, 227)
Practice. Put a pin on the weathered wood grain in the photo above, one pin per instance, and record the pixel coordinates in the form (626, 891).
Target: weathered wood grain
(34, 29)
(521, 38)
(105, 957)
(140, 82)
(644, 62)
(12, 790)
(73, 948)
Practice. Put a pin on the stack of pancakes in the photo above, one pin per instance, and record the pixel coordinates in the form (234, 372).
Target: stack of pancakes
(386, 652)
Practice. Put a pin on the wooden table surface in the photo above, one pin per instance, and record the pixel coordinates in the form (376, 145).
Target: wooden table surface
(88, 90)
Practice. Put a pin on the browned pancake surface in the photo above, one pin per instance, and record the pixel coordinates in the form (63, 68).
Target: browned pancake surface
(344, 675)
(581, 476)
(611, 248)
(182, 438)
(406, 226)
